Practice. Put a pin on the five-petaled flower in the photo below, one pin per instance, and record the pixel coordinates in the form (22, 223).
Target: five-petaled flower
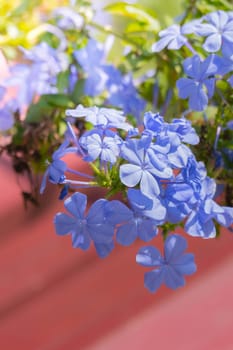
(219, 32)
(199, 86)
(169, 269)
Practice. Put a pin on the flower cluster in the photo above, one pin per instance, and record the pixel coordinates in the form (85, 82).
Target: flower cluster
(154, 179)
(199, 86)
(160, 181)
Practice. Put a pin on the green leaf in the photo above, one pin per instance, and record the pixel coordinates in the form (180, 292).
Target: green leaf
(46, 105)
(78, 91)
(38, 111)
(62, 81)
(57, 100)
(136, 12)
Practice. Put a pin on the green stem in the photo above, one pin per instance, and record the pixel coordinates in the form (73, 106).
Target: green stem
(108, 30)
(95, 169)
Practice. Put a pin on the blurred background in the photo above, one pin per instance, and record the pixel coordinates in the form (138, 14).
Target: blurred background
(53, 297)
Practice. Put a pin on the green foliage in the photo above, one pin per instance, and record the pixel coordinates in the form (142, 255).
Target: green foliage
(47, 106)
(144, 18)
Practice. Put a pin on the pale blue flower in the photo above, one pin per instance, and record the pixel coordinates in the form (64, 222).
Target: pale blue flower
(122, 93)
(201, 77)
(171, 268)
(97, 145)
(205, 210)
(171, 37)
(219, 33)
(100, 117)
(92, 59)
(84, 227)
(57, 168)
(142, 169)
(39, 76)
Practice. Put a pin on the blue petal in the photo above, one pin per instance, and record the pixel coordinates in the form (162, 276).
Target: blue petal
(185, 264)
(161, 44)
(225, 218)
(117, 213)
(174, 247)
(130, 174)
(198, 100)
(192, 66)
(185, 87)
(149, 256)
(127, 233)
(205, 29)
(101, 233)
(139, 201)
(157, 212)
(153, 279)
(177, 42)
(64, 224)
(227, 49)
(147, 229)
(103, 250)
(213, 43)
(132, 152)
(76, 204)
(81, 240)
(149, 185)
(176, 212)
(172, 278)
(196, 228)
(209, 66)
(210, 85)
(97, 214)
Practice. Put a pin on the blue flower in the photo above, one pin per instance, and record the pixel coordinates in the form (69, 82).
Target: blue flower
(169, 138)
(200, 78)
(122, 92)
(183, 128)
(178, 198)
(97, 145)
(100, 117)
(92, 58)
(134, 223)
(142, 169)
(219, 33)
(171, 268)
(154, 122)
(56, 170)
(40, 75)
(172, 37)
(84, 227)
(22, 78)
(205, 210)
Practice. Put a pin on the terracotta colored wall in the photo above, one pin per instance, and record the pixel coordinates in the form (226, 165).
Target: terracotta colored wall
(53, 297)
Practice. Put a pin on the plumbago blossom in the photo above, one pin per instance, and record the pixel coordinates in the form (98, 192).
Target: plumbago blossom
(161, 183)
(39, 75)
(163, 188)
(202, 73)
(102, 77)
